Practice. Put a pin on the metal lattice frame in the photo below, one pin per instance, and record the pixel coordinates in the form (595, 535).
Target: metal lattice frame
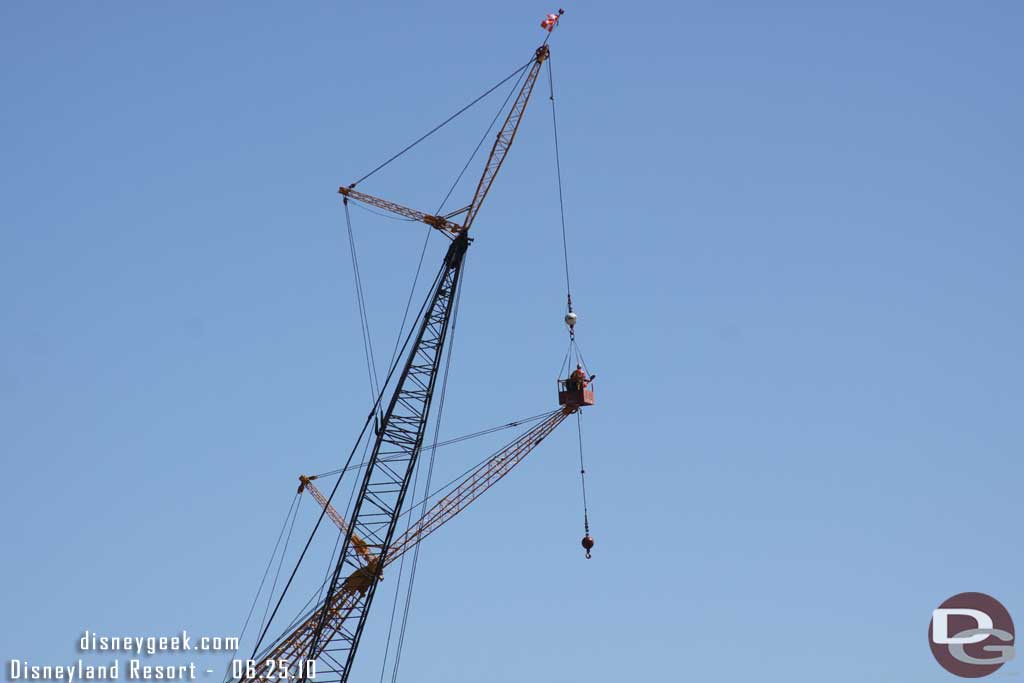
(475, 483)
(505, 137)
(471, 487)
(331, 633)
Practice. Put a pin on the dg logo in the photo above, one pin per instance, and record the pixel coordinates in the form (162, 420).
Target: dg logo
(971, 635)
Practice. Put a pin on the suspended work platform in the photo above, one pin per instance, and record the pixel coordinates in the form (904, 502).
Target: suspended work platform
(572, 395)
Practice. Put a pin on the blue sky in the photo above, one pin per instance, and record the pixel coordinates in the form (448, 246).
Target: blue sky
(795, 236)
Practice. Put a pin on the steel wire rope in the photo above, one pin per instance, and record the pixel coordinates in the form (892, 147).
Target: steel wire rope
(445, 122)
(314, 640)
(459, 439)
(561, 198)
(440, 208)
(263, 581)
(583, 474)
(364, 319)
(280, 563)
(323, 512)
(568, 296)
(430, 474)
(451, 189)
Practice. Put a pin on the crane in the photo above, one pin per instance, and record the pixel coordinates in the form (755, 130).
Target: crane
(502, 144)
(370, 567)
(470, 487)
(331, 631)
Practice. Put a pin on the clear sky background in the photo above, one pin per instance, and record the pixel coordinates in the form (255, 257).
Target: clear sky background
(796, 250)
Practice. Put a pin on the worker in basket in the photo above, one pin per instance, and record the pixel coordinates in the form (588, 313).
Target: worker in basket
(578, 380)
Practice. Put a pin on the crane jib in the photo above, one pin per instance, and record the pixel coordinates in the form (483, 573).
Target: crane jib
(502, 143)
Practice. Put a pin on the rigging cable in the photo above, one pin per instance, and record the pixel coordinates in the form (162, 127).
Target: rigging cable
(430, 474)
(372, 372)
(263, 581)
(561, 200)
(364, 321)
(327, 574)
(570, 316)
(483, 138)
(323, 512)
(367, 345)
(394, 610)
(583, 485)
(565, 368)
(389, 216)
(316, 635)
(521, 72)
(458, 439)
(280, 563)
(412, 292)
(445, 122)
(305, 611)
(339, 538)
(440, 208)
(313, 651)
(461, 477)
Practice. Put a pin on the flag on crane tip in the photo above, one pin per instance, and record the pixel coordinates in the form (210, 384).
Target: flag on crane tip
(549, 22)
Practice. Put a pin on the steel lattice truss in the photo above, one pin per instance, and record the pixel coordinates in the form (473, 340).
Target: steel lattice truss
(331, 633)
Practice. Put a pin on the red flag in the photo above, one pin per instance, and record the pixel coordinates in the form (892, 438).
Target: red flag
(549, 22)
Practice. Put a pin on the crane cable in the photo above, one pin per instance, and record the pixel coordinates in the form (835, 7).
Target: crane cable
(428, 496)
(314, 641)
(451, 189)
(583, 482)
(364, 322)
(266, 572)
(455, 440)
(330, 497)
(570, 317)
(436, 444)
(360, 297)
(367, 343)
(265, 627)
(316, 596)
(483, 138)
(280, 563)
(517, 73)
(561, 200)
(445, 122)
(430, 475)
